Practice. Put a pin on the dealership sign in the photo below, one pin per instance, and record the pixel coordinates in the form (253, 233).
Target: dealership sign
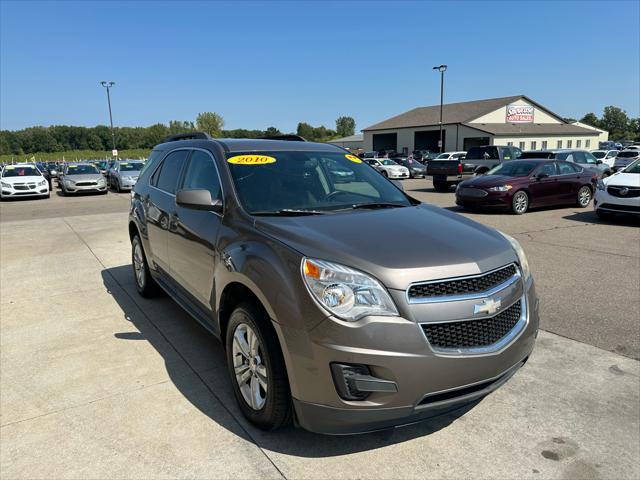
(519, 114)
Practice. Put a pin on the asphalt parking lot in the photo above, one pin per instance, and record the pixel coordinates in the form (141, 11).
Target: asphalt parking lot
(96, 382)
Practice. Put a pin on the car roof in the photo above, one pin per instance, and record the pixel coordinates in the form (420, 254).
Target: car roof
(252, 144)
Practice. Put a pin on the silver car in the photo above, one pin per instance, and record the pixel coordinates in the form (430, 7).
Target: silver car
(81, 178)
(124, 175)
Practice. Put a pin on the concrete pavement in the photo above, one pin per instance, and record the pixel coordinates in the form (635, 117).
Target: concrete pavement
(96, 382)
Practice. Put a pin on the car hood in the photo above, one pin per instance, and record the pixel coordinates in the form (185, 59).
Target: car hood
(485, 181)
(86, 177)
(623, 179)
(25, 179)
(398, 246)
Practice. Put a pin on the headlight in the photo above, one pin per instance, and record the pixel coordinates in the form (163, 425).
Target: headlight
(42, 182)
(128, 178)
(600, 185)
(501, 188)
(345, 292)
(6, 185)
(70, 182)
(522, 258)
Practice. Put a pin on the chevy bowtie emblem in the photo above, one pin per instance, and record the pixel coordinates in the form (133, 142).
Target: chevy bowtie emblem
(488, 306)
(624, 191)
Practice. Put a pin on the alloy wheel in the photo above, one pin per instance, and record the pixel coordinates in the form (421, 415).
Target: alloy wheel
(138, 264)
(584, 196)
(520, 202)
(249, 368)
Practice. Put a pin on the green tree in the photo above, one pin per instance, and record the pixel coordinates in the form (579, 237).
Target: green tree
(591, 119)
(305, 130)
(615, 121)
(177, 126)
(345, 126)
(211, 123)
(272, 132)
(155, 134)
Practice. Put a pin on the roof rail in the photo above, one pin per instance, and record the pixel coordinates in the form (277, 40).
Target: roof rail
(187, 136)
(286, 138)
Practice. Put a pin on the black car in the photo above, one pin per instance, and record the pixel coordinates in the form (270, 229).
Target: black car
(45, 172)
(416, 169)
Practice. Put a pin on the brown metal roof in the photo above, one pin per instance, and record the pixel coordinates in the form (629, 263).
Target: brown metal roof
(532, 129)
(452, 113)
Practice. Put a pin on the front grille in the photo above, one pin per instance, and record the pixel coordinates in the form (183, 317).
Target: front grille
(473, 333)
(24, 186)
(86, 184)
(631, 192)
(471, 192)
(463, 286)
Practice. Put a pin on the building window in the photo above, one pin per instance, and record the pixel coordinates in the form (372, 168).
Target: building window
(544, 145)
(509, 144)
(569, 143)
(521, 145)
(559, 145)
(587, 143)
(578, 143)
(534, 145)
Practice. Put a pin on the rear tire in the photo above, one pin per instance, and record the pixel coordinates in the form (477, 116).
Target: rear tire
(145, 284)
(520, 202)
(255, 361)
(441, 186)
(385, 174)
(584, 197)
(605, 215)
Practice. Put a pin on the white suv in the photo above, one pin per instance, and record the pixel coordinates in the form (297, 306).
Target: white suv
(619, 193)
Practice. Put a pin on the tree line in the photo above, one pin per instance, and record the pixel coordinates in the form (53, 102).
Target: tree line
(61, 138)
(615, 121)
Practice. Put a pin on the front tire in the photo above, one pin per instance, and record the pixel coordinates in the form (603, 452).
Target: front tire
(257, 369)
(520, 203)
(145, 284)
(584, 197)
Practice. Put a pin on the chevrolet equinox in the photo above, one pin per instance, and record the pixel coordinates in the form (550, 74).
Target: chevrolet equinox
(343, 304)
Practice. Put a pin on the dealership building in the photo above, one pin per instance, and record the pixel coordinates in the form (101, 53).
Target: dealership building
(517, 121)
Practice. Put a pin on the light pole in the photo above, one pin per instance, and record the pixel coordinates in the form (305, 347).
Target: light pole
(441, 69)
(108, 85)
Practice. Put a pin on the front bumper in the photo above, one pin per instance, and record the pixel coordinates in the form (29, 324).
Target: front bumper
(397, 175)
(37, 192)
(492, 199)
(603, 200)
(428, 382)
(85, 188)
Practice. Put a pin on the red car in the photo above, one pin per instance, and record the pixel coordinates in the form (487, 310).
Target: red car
(518, 185)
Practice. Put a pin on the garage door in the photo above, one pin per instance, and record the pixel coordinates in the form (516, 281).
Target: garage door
(428, 140)
(385, 141)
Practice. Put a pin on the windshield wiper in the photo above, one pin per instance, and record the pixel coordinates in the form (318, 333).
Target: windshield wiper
(289, 212)
(374, 205)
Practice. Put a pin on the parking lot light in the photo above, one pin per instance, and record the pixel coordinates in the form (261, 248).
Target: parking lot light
(108, 85)
(441, 69)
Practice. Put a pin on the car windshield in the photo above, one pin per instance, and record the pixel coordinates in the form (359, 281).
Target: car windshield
(20, 171)
(388, 162)
(513, 169)
(288, 182)
(633, 168)
(82, 169)
(527, 155)
(130, 167)
(629, 154)
(599, 154)
(442, 156)
(481, 153)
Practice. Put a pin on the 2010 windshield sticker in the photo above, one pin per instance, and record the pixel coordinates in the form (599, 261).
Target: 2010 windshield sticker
(353, 158)
(251, 160)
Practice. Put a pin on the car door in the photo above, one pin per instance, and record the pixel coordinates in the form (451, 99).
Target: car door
(544, 191)
(160, 205)
(568, 181)
(193, 233)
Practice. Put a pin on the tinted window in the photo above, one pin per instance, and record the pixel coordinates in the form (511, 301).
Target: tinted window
(628, 154)
(567, 168)
(527, 155)
(548, 168)
(151, 163)
(580, 157)
(599, 154)
(483, 153)
(81, 169)
(202, 173)
(170, 169)
(513, 169)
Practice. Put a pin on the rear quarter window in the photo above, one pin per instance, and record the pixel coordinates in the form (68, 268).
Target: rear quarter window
(149, 165)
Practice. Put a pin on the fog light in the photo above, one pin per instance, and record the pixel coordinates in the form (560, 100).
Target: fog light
(354, 382)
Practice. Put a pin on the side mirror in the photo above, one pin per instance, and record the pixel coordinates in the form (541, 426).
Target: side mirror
(198, 199)
(598, 162)
(542, 175)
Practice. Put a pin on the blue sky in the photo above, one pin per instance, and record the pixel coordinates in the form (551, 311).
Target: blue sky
(262, 64)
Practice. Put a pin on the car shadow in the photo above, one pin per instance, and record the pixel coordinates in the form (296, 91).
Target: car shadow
(620, 219)
(193, 358)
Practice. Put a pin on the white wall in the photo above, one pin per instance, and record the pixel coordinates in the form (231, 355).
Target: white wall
(552, 141)
(406, 136)
(500, 115)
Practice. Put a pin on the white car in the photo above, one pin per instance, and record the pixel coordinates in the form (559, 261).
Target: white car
(388, 168)
(619, 193)
(23, 180)
(450, 155)
(606, 156)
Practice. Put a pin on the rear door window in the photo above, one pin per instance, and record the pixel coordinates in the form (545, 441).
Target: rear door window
(166, 177)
